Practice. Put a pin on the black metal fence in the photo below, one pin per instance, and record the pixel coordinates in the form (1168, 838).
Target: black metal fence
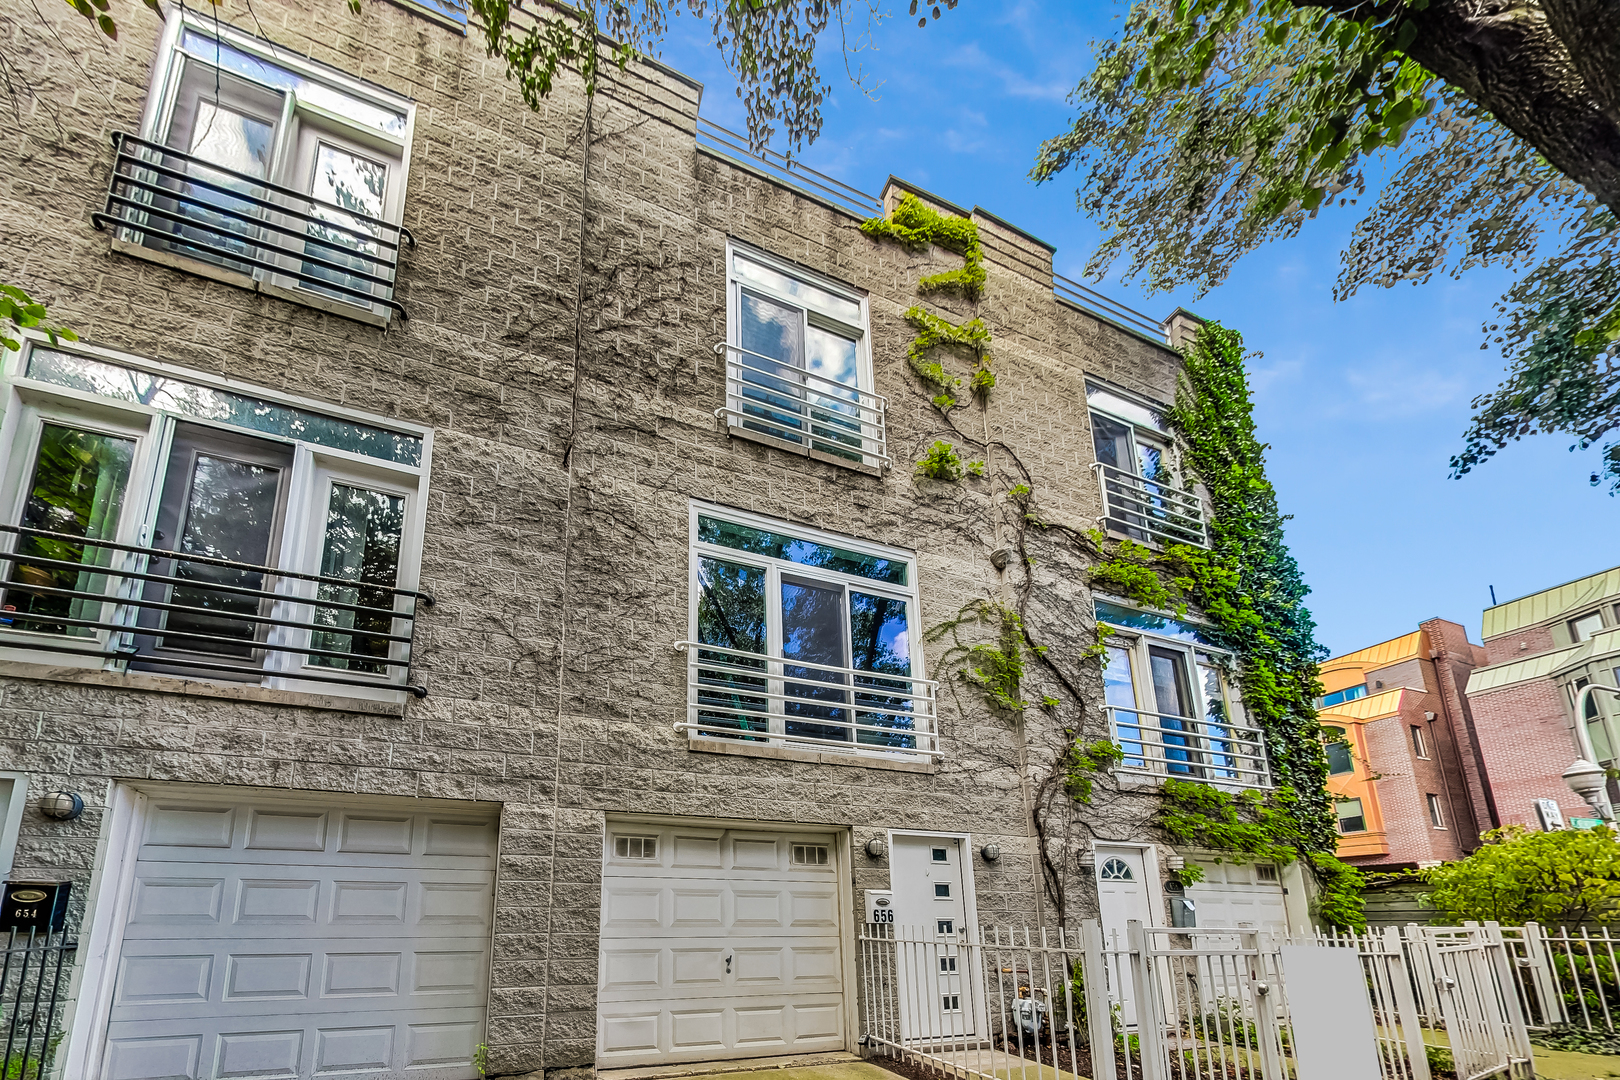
(33, 993)
(190, 613)
(172, 201)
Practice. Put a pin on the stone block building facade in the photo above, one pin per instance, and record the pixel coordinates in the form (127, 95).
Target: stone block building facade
(481, 605)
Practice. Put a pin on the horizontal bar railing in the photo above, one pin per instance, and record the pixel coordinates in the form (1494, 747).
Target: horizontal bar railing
(127, 619)
(803, 407)
(1164, 744)
(34, 980)
(819, 185)
(1155, 508)
(736, 694)
(164, 198)
(1112, 310)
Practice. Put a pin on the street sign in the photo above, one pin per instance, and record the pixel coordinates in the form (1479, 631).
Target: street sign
(1585, 822)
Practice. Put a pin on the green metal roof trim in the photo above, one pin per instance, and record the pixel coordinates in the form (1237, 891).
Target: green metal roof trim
(1550, 603)
(1514, 672)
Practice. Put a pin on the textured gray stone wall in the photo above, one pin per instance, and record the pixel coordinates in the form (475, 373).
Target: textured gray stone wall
(556, 538)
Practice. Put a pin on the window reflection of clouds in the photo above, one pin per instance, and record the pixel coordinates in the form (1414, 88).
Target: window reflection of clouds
(208, 50)
(223, 406)
(828, 303)
(804, 552)
(228, 139)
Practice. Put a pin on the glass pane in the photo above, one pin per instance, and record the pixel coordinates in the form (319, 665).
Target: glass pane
(772, 337)
(213, 215)
(77, 490)
(835, 418)
(840, 308)
(1112, 441)
(1169, 674)
(813, 631)
(1163, 625)
(881, 643)
(1340, 760)
(1584, 627)
(1350, 816)
(363, 533)
(731, 616)
(345, 182)
(222, 406)
(804, 552)
(1221, 748)
(1119, 690)
(206, 48)
(223, 136)
(230, 511)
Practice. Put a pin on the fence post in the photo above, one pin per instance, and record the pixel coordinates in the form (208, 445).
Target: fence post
(1508, 992)
(1267, 989)
(1400, 976)
(1424, 973)
(1149, 1027)
(1548, 997)
(1099, 1011)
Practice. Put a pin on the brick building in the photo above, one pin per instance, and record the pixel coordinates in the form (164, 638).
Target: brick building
(1542, 649)
(475, 605)
(1408, 776)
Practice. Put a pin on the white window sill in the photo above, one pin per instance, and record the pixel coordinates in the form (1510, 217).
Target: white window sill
(705, 744)
(737, 431)
(369, 316)
(171, 684)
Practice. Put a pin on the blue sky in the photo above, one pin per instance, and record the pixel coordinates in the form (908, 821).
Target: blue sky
(1363, 402)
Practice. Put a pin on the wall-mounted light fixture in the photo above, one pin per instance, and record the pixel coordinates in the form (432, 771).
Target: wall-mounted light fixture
(991, 852)
(61, 805)
(1175, 863)
(1088, 861)
(876, 848)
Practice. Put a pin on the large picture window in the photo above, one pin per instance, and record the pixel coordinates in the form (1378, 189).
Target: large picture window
(160, 522)
(1172, 709)
(799, 638)
(798, 362)
(268, 170)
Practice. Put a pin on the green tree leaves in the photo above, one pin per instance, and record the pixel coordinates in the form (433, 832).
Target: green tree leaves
(21, 311)
(1567, 876)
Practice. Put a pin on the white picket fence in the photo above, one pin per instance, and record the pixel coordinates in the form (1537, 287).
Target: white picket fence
(1154, 1003)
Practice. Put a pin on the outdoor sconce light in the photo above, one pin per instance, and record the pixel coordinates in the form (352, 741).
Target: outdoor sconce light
(1175, 863)
(61, 805)
(1590, 782)
(1088, 861)
(876, 848)
(991, 852)
(1000, 557)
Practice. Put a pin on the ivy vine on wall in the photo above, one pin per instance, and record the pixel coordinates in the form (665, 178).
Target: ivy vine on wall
(914, 225)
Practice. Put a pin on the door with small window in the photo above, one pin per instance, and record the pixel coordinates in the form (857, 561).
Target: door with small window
(1122, 896)
(929, 877)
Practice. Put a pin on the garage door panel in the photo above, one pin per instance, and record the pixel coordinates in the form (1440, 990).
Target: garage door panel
(678, 903)
(273, 939)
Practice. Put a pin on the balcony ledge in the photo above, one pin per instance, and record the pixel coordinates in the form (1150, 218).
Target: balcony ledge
(706, 745)
(737, 431)
(169, 684)
(203, 269)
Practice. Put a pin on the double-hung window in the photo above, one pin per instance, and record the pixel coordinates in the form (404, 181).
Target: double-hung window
(1142, 497)
(1173, 710)
(264, 170)
(161, 520)
(1352, 818)
(799, 363)
(800, 638)
(1340, 759)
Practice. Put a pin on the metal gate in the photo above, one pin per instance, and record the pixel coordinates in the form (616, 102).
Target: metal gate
(33, 980)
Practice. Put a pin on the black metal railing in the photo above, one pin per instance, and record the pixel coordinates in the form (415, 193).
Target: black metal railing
(33, 996)
(167, 200)
(126, 597)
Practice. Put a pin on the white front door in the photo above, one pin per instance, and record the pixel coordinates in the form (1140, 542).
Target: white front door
(1122, 895)
(928, 876)
(718, 943)
(303, 936)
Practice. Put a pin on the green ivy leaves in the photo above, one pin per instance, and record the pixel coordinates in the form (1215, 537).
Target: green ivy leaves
(23, 312)
(914, 225)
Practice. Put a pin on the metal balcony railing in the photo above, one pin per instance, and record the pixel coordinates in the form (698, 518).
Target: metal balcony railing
(170, 611)
(1181, 748)
(751, 697)
(169, 201)
(818, 185)
(1108, 309)
(1150, 510)
(805, 410)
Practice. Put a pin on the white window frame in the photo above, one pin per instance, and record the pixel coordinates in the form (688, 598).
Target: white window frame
(1575, 634)
(873, 410)
(1436, 818)
(1420, 743)
(774, 570)
(29, 403)
(1139, 642)
(1145, 425)
(1361, 812)
(161, 100)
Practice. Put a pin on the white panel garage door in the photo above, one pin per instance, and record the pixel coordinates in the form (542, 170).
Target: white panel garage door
(284, 938)
(1232, 894)
(718, 943)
